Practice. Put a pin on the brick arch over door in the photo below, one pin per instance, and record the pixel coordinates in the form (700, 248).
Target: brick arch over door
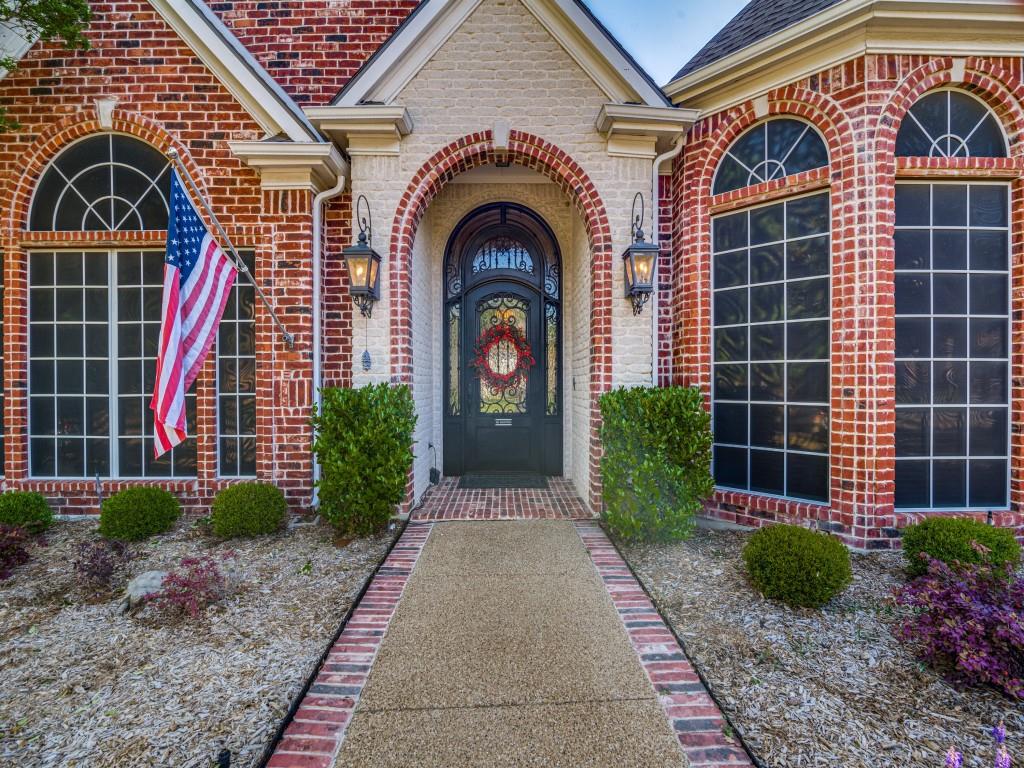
(531, 152)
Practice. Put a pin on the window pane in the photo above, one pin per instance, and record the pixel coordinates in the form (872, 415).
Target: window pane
(807, 476)
(779, 401)
(768, 472)
(950, 123)
(730, 423)
(969, 354)
(236, 372)
(912, 484)
(730, 466)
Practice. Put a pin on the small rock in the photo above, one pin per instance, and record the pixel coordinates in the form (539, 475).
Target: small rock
(143, 584)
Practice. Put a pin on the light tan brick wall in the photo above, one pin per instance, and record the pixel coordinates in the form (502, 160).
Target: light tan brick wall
(502, 64)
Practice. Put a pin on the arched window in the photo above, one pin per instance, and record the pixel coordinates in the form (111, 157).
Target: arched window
(772, 150)
(107, 182)
(950, 123)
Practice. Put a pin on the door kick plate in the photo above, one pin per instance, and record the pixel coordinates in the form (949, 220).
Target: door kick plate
(503, 422)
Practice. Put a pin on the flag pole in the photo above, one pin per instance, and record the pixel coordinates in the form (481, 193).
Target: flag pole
(289, 338)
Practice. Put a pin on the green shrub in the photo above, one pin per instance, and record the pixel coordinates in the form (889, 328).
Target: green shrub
(248, 509)
(656, 465)
(950, 539)
(363, 441)
(137, 513)
(25, 509)
(796, 565)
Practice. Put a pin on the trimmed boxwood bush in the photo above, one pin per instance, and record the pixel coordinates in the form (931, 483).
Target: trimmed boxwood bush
(363, 441)
(25, 509)
(656, 465)
(248, 509)
(798, 566)
(137, 513)
(950, 539)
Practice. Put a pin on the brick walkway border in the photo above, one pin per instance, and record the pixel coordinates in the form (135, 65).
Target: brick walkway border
(314, 736)
(447, 501)
(696, 720)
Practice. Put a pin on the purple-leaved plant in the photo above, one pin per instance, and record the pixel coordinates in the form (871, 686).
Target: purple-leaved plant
(954, 759)
(192, 586)
(968, 621)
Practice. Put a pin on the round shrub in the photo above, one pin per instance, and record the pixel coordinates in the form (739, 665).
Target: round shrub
(248, 509)
(950, 540)
(25, 509)
(137, 513)
(800, 567)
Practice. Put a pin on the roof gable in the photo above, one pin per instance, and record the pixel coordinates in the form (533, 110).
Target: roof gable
(234, 66)
(423, 32)
(755, 21)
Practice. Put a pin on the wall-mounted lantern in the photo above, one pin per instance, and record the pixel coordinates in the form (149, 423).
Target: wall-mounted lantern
(363, 264)
(639, 261)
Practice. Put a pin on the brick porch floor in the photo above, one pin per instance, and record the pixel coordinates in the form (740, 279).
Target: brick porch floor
(447, 501)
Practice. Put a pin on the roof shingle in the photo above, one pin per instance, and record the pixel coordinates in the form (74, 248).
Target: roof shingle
(756, 21)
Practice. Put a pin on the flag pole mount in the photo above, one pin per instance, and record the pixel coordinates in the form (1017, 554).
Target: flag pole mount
(173, 156)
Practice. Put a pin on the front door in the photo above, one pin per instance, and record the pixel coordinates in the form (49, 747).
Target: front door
(505, 397)
(502, 344)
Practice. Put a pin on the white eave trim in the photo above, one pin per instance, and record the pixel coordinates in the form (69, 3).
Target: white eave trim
(364, 129)
(397, 62)
(851, 28)
(293, 165)
(14, 44)
(636, 130)
(240, 73)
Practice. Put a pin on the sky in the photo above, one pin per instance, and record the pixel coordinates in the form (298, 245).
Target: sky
(662, 35)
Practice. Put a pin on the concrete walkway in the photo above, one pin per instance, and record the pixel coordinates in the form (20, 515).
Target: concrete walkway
(506, 650)
(505, 643)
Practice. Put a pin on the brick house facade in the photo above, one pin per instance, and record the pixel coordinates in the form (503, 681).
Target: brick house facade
(445, 112)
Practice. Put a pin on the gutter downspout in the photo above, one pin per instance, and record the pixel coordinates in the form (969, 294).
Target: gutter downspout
(318, 216)
(655, 228)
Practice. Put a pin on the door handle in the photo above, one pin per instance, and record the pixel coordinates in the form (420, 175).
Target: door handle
(503, 422)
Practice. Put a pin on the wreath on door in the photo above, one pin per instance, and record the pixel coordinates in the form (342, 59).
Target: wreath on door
(502, 357)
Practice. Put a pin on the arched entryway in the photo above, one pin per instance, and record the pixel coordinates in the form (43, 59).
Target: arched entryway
(502, 344)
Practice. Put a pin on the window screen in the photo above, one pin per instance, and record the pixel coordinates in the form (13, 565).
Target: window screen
(952, 288)
(771, 348)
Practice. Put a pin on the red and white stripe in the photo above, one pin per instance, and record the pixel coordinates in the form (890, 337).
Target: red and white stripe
(191, 314)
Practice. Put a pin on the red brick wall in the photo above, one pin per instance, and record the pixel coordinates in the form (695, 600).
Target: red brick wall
(312, 47)
(168, 98)
(857, 107)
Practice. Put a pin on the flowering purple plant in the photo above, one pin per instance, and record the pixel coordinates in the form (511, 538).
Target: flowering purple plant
(1002, 758)
(969, 622)
(999, 733)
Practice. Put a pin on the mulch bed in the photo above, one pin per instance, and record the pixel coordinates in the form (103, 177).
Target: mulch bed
(809, 688)
(84, 685)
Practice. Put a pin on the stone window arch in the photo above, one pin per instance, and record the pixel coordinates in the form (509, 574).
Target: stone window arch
(105, 182)
(950, 123)
(773, 149)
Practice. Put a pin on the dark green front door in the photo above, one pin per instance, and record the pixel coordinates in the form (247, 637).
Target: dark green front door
(504, 420)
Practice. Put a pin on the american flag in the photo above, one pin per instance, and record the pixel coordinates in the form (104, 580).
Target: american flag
(197, 282)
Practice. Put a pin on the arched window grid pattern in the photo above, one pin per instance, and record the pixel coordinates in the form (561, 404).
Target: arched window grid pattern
(770, 348)
(950, 123)
(773, 149)
(103, 182)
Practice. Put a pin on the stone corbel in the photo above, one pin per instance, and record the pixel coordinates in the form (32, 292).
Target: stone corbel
(365, 129)
(315, 166)
(637, 130)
